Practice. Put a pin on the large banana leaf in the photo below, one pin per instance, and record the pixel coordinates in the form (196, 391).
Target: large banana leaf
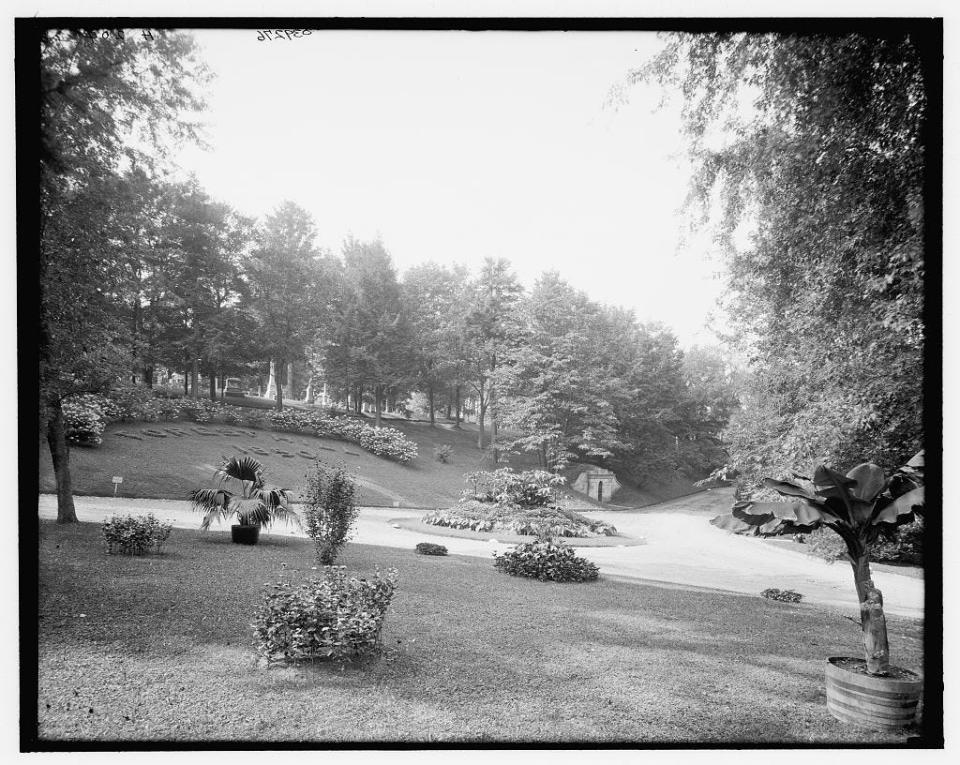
(902, 508)
(870, 481)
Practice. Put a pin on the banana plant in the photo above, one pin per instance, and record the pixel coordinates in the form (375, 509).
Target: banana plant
(859, 506)
(240, 489)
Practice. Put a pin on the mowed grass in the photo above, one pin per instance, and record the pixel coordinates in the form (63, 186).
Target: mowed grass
(169, 467)
(163, 651)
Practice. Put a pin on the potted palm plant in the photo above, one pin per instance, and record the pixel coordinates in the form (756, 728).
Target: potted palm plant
(240, 490)
(859, 506)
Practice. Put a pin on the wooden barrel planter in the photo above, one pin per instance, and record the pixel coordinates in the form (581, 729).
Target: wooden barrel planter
(245, 535)
(879, 703)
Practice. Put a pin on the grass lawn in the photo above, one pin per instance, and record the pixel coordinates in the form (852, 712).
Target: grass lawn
(164, 651)
(169, 467)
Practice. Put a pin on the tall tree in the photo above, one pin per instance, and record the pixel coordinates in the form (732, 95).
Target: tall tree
(105, 102)
(369, 347)
(491, 327)
(826, 169)
(433, 305)
(554, 384)
(285, 286)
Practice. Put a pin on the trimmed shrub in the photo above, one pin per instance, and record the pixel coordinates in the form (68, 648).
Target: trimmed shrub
(129, 535)
(329, 510)
(429, 548)
(784, 596)
(547, 561)
(331, 617)
(388, 442)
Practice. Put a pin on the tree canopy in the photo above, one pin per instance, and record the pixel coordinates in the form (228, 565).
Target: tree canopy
(812, 147)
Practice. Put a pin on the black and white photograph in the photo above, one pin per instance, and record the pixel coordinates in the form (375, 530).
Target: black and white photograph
(479, 382)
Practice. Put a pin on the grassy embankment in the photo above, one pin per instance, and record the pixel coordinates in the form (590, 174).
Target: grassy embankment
(169, 467)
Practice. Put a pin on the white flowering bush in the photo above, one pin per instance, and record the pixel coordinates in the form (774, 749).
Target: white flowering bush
(84, 419)
(388, 442)
(330, 617)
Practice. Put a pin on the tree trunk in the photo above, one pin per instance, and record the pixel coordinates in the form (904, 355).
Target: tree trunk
(309, 395)
(289, 379)
(213, 386)
(481, 414)
(458, 408)
(60, 454)
(195, 380)
(378, 396)
(186, 382)
(148, 376)
(358, 400)
(277, 370)
(272, 382)
(493, 428)
(872, 620)
(430, 396)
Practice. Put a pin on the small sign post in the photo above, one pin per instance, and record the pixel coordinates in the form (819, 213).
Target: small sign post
(117, 480)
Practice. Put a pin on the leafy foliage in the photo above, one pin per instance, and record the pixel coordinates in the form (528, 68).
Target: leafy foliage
(429, 548)
(817, 192)
(241, 490)
(547, 561)
(129, 535)
(326, 618)
(85, 420)
(329, 511)
(784, 596)
(530, 488)
(442, 453)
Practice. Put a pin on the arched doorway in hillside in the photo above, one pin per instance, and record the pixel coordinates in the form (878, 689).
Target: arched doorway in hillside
(599, 491)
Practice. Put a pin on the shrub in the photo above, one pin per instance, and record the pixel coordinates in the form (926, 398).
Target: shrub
(784, 596)
(903, 545)
(84, 420)
(329, 510)
(547, 561)
(387, 442)
(486, 516)
(331, 617)
(442, 453)
(531, 488)
(129, 535)
(429, 548)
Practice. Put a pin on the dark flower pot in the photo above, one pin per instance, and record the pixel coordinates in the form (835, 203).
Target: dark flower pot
(245, 535)
(879, 703)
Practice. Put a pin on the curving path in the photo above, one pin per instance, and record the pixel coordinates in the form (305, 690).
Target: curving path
(681, 548)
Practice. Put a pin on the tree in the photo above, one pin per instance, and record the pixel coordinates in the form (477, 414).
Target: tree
(369, 346)
(104, 102)
(432, 303)
(828, 169)
(286, 286)
(493, 298)
(554, 381)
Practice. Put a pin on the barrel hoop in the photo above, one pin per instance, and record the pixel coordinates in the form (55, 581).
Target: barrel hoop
(901, 713)
(864, 722)
(893, 695)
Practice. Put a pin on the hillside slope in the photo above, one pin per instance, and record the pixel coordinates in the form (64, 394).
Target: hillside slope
(169, 467)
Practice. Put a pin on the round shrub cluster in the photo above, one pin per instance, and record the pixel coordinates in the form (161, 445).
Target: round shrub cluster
(784, 596)
(473, 515)
(388, 442)
(129, 535)
(429, 548)
(330, 617)
(546, 561)
(85, 420)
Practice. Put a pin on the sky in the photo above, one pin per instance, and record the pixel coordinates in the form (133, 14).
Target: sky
(456, 146)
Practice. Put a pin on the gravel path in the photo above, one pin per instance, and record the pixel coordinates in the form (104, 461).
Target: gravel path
(681, 548)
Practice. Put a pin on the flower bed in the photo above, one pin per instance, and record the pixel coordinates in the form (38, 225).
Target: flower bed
(515, 519)
(88, 415)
